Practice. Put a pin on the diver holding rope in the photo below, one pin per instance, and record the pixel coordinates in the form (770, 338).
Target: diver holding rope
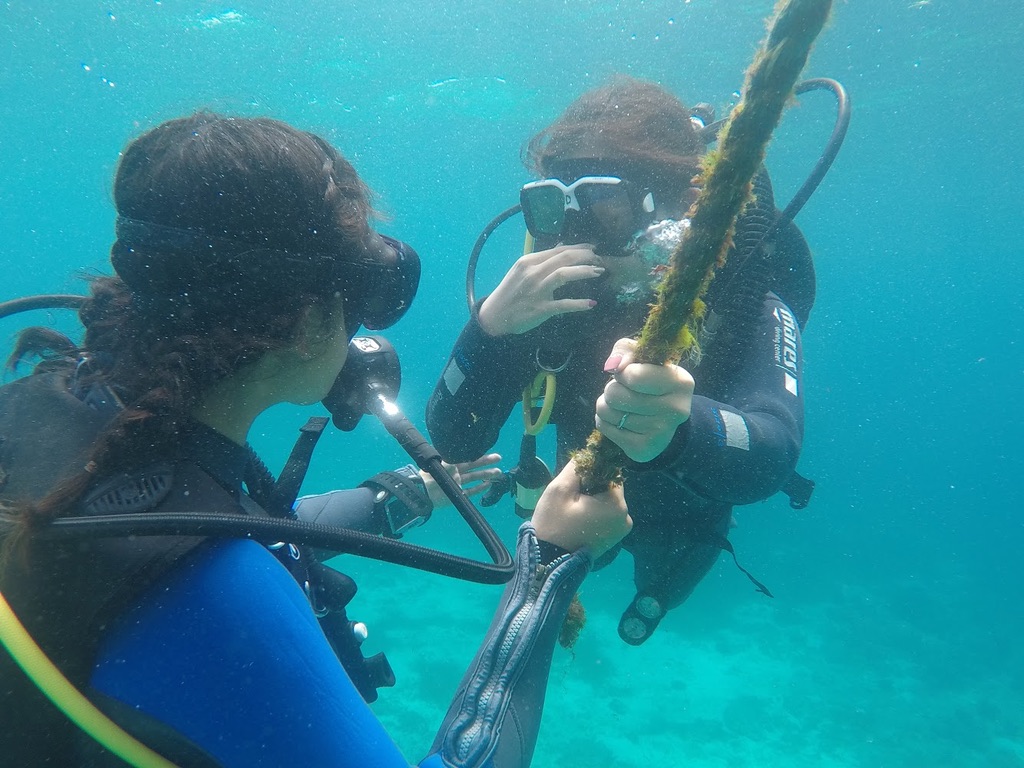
(162, 592)
(616, 173)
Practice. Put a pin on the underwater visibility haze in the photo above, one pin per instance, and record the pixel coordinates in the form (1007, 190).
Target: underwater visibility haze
(894, 635)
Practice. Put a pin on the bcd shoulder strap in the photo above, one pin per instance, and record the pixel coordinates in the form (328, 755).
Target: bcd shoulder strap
(45, 434)
(66, 593)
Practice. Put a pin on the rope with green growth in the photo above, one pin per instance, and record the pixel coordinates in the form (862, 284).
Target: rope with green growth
(726, 179)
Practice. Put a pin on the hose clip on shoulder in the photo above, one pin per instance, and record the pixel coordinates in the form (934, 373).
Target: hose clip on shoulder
(403, 497)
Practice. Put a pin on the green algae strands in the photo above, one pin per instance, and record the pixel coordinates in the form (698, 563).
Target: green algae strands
(725, 180)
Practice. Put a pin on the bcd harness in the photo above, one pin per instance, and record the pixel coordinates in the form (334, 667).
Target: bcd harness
(771, 259)
(795, 283)
(66, 594)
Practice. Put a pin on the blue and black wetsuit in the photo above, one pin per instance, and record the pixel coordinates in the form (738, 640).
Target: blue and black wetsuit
(739, 446)
(230, 625)
(215, 657)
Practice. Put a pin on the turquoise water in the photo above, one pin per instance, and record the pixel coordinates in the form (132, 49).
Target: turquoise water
(893, 639)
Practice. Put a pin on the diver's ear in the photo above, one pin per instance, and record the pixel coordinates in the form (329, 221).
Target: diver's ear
(314, 329)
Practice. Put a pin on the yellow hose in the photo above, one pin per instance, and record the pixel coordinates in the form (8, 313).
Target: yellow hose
(67, 698)
(530, 394)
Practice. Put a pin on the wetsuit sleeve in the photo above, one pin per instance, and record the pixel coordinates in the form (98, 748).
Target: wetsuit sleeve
(743, 448)
(353, 509)
(387, 504)
(482, 381)
(495, 716)
(226, 651)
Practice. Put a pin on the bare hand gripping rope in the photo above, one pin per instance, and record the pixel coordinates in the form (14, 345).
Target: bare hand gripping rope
(725, 179)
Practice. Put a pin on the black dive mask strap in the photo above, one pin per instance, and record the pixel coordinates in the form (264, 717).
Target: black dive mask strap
(162, 261)
(381, 279)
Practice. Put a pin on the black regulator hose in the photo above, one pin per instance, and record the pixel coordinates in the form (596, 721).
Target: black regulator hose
(334, 539)
(474, 257)
(821, 167)
(270, 530)
(337, 540)
(741, 290)
(429, 460)
(835, 141)
(828, 155)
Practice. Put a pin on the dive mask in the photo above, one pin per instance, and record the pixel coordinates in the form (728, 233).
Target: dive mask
(380, 280)
(604, 210)
(385, 285)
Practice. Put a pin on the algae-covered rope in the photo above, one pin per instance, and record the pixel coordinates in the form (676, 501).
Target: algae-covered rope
(725, 179)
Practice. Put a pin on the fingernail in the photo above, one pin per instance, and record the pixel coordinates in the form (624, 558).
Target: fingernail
(612, 363)
(600, 270)
(592, 303)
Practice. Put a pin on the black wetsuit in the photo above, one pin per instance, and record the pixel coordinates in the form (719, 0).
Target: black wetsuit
(739, 446)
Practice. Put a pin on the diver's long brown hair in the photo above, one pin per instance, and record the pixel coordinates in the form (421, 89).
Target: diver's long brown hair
(635, 123)
(172, 325)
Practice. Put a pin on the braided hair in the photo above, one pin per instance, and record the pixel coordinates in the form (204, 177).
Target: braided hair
(230, 231)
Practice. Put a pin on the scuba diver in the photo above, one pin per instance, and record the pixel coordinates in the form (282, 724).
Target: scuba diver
(162, 601)
(616, 179)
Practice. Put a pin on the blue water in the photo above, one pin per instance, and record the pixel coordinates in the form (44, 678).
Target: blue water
(893, 639)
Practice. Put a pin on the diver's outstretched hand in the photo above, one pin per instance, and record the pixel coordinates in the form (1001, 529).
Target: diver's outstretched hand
(525, 296)
(474, 477)
(643, 404)
(572, 520)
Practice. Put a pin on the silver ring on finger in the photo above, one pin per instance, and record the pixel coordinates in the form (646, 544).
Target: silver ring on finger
(622, 421)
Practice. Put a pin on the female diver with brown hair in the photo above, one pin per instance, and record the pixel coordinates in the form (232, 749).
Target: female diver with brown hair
(244, 263)
(616, 177)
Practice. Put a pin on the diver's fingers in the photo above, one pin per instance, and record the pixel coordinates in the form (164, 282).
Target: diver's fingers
(563, 306)
(630, 421)
(623, 400)
(485, 460)
(473, 490)
(622, 354)
(559, 256)
(648, 390)
(650, 379)
(578, 253)
(522, 301)
(565, 275)
(480, 475)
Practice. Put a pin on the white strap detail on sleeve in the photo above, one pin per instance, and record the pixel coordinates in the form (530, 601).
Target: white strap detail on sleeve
(736, 433)
(453, 376)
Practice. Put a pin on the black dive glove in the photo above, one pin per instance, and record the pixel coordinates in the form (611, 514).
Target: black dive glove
(495, 716)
